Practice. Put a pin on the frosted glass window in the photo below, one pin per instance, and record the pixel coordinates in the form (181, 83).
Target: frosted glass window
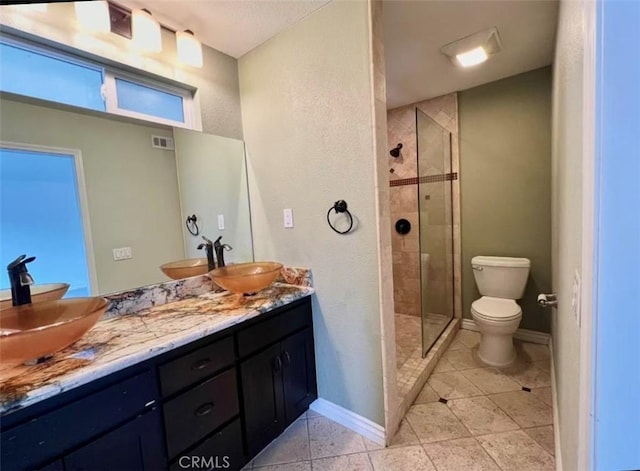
(34, 74)
(40, 215)
(150, 101)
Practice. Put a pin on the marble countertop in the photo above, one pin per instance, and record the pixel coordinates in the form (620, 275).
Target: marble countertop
(117, 342)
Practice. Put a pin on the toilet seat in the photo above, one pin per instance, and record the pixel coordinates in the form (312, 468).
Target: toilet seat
(496, 309)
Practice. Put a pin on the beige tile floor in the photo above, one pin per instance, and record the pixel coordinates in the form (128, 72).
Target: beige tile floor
(488, 422)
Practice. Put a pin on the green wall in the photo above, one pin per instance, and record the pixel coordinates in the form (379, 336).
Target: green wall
(505, 182)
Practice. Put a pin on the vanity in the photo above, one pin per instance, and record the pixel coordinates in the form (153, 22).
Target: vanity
(195, 383)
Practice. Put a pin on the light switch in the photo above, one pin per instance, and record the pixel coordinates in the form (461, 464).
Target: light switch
(288, 218)
(122, 253)
(221, 221)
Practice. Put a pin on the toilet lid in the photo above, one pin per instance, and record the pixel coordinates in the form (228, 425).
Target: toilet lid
(496, 308)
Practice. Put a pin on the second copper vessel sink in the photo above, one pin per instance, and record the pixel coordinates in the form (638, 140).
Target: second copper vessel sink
(246, 278)
(32, 331)
(185, 268)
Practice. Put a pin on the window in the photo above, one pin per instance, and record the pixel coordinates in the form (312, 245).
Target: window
(146, 100)
(41, 215)
(35, 71)
(25, 72)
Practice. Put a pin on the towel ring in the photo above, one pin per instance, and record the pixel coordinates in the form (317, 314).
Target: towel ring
(340, 207)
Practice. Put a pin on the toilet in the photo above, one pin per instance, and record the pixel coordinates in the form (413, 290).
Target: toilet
(500, 280)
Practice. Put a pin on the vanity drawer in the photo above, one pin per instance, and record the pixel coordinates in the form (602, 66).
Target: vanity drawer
(51, 435)
(274, 329)
(192, 367)
(198, 412)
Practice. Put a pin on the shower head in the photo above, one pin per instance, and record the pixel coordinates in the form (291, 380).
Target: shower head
(395, 152)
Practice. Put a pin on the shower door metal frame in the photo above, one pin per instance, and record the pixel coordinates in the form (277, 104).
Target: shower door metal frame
(448, 177)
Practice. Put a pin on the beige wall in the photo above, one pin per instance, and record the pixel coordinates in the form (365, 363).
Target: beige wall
(308, 126)
(505, 181)
(216, 82)
(567, 168)
(132, 188)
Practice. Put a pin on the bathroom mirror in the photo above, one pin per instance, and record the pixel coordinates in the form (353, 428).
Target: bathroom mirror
(102, 206)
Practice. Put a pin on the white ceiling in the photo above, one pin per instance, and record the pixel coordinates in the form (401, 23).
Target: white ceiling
(231, 26)
(416, 30)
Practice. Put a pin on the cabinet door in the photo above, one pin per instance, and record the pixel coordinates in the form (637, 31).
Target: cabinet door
(136, 445)
(298, 373)
(262, 398)
(223, 450)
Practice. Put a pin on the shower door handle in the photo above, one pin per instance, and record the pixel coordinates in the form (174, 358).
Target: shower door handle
(548, 300)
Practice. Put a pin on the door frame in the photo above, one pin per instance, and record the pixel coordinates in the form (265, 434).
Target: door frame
(590, 236)
(82, 197)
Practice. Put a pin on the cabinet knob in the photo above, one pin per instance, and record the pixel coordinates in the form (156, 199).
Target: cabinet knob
(286, 358)
(204, 409)
(201, 365)
(277, 364)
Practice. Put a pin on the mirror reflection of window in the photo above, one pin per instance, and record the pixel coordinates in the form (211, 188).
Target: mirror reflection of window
(41, 216)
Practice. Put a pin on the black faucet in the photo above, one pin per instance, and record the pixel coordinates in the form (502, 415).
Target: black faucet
(208, 247)
(20, 280)
(220, 248)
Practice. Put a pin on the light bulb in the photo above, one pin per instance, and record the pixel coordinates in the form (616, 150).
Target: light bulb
(189, 48)
(94, 15)
(473, 57)
(146, 31)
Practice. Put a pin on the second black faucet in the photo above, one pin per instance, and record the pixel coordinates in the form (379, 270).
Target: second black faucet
(217, 247)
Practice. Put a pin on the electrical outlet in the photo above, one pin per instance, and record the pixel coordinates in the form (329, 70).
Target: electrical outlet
(122, 253)
(221, 222)
(288, 218)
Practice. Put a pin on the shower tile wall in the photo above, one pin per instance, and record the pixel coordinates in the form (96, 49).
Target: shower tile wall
(401, 128)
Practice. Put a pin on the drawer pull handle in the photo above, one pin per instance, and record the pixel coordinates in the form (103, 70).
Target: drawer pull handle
(201, 365)
(277, 364)
(286, 358)
(204, 409)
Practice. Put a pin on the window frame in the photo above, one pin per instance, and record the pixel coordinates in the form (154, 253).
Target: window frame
(109, 90)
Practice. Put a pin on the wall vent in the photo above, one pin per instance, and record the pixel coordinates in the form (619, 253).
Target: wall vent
(161, 142)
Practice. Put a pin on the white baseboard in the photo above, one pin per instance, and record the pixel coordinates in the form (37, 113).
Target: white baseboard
(351, 420)
(556, 419)
(521, 334)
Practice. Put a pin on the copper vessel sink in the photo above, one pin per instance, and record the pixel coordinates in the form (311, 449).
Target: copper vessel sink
(246, 278)
(32, 331)
(185, 268)
(39, 293)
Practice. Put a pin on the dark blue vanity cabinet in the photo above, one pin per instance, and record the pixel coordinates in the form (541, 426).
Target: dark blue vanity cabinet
(217, 401)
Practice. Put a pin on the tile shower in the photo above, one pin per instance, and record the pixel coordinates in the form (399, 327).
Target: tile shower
(426, 261)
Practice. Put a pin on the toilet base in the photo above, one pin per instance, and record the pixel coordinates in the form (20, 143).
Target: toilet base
(496, 350)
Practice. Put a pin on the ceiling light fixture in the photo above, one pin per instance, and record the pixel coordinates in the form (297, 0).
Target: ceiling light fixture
(146, 31)
(93, 15)
(189, 48)
(474, 49)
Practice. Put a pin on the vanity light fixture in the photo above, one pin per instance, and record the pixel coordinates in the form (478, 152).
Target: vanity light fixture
(145, 30)
(189, 48)
(93, 15)
(31, 7)
(474, 49)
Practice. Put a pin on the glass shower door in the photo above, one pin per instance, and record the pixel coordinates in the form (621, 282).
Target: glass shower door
(436, 228)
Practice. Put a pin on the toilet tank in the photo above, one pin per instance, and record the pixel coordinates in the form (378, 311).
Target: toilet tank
(501, 277)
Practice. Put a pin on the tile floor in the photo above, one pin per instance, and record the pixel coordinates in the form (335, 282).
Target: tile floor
(468, 417)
